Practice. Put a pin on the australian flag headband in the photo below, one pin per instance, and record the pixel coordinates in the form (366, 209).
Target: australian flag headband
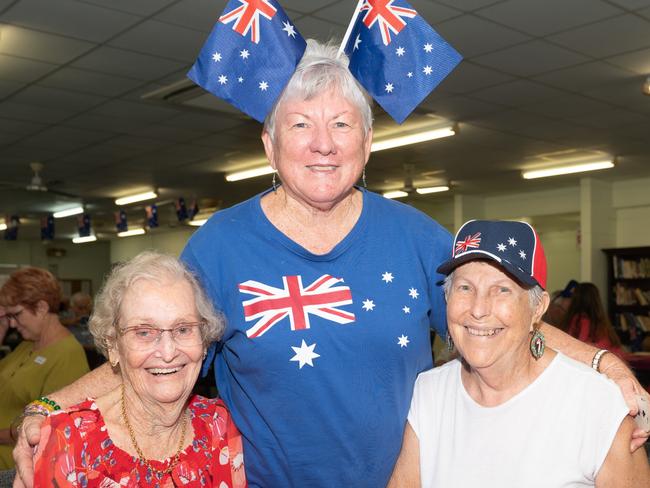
(514, 245)
(253, 51)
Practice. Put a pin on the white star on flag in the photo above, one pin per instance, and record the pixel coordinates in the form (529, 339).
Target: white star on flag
(501, 246)
(406, 309)
(428, 47)
(427, 70)
(244, 53)
(223, 79)
(387, 277)
(216, 57)
(403, 340)
(410, 74)
(288, 28)
(413, 293)
(357, 41)
(264, 85)
(368, 305)
(512, 241)
(389, 88)
(304, 354)
(400, 51)
(240, 79)
(522, 254)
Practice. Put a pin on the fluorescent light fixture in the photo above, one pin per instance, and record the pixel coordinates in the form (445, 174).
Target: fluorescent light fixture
(432, 189)
(407, 139)
(250, 173)
(566, 170)
(646, 86)
(198, 222)
(69, 212)
(81, 240)
(136, 198)
(131, 232)
(3, 226)
(395, 194)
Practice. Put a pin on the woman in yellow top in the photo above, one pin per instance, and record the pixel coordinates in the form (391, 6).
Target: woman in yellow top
(49, 356)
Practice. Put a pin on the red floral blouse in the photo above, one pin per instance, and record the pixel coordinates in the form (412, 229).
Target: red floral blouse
(75, 451)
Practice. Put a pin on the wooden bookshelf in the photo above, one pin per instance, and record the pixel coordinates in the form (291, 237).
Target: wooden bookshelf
(628, 295)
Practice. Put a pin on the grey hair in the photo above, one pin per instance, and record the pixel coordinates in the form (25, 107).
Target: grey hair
(535, 293)
(322, 67)
(150, 266)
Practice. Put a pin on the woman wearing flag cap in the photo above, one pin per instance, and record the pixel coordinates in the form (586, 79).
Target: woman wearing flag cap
(328, 291)
(511, 412)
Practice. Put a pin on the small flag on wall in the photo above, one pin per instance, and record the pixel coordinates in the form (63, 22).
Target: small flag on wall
(121, 223)
(83, 224)
(47, 227)
(151, 214)
(11, 232)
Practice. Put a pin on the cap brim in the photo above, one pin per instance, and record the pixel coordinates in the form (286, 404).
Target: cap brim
(448, 266)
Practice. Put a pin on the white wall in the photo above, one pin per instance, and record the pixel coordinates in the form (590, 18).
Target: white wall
(168, 241)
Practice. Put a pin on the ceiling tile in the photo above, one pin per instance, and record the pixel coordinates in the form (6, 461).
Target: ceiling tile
(9, 87)
(472, 36)
(632, 4)
(162, 39)
(55, 98)
(204, 122)
(613, 117)
(637, 61)
(119, 62)
(69, 18)
(166, 133)
(625, 93)
(531, 58)
(33, 113)
(544, 18)
(567, 106)
(468, 5)
(195, 14)
(322, 30)
(21, 69)
(459, 109)
(142, 111)
(469, 77)
(89, 82)
(585, 76)
(141, 7)
(626, 33)
(40, 46)
(19, 127)
(92, 121)
(517, 93)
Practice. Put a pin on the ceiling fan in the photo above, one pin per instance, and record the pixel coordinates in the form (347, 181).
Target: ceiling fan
(36, 183)
(409, 188)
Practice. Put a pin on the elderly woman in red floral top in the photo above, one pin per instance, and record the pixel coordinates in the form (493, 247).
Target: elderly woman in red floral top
(153, 322)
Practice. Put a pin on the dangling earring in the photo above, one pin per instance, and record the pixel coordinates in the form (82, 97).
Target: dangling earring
(363, 177)
(275, 186)
(450, 342)
(537, 344)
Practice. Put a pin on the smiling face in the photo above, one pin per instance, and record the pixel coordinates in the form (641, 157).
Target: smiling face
(490, 316)
(163, 372)
(320, 148)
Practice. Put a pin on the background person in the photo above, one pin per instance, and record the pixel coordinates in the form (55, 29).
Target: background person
(153, 323)
(48, 358)
(511, 412)
(81, 306)
(329, 295)
(587, 320)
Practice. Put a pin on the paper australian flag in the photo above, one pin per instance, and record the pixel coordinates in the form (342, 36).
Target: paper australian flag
(249, 56)
(397, 57)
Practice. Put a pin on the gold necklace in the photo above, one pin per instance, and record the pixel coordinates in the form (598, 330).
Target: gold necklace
(146, 462)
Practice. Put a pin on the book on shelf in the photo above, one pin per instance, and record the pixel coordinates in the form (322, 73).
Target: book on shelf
(631, 268)
(625, 295)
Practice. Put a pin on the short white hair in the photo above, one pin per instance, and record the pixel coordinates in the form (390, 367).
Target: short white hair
(322, 67)
(535, 293)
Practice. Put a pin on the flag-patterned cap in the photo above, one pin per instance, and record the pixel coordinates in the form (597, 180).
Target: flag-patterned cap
(514, 245)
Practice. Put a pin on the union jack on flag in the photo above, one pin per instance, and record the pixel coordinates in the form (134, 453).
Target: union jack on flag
(247, 17)
(397, 57)
(388, 16)
(471, 241)
(250, 56)
(322, 298)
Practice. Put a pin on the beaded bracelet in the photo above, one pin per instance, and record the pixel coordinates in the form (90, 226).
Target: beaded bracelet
(42, 406)
(595, 363)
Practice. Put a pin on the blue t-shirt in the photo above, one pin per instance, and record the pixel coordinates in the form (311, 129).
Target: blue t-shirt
(320, 354)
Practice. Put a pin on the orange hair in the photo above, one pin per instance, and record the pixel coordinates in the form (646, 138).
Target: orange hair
(28, 286)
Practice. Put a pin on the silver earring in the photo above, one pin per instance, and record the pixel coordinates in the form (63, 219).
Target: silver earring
(363, 177)
(450, 342)
(275, 186)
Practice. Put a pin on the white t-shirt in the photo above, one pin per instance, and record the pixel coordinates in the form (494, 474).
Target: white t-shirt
(555, 433)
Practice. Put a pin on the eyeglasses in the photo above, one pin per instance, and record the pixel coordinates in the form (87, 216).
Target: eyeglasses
(13, 316)
(147, 337)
